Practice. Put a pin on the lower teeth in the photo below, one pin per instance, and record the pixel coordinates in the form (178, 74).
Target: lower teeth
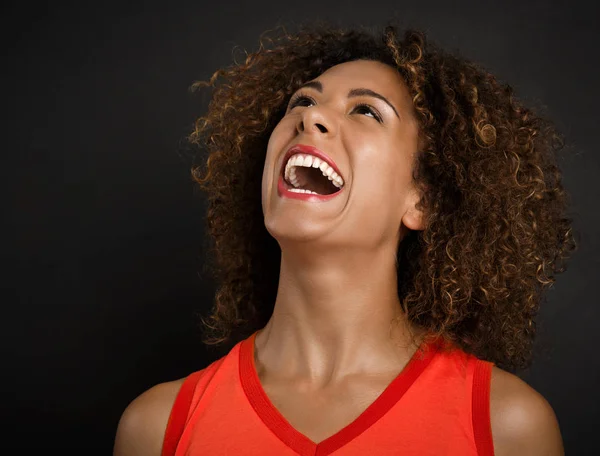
(302, 190)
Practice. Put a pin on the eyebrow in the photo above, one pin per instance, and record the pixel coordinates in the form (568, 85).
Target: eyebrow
(318, 86)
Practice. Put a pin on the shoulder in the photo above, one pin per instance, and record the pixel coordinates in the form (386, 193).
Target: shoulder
(522, 420)
(143, 424)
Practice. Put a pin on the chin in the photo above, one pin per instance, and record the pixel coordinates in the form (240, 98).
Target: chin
(285, 228)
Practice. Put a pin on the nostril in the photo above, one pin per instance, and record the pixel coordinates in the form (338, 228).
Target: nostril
(322, 128)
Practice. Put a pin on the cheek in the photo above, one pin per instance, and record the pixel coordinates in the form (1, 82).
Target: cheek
(382, 175)
(377, 166)
(274, 146)
(382, 178)
(280, 136)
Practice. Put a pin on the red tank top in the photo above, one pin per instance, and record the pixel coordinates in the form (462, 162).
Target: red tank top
(438, 405)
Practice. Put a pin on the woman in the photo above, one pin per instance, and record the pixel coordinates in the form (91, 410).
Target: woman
(411, 216)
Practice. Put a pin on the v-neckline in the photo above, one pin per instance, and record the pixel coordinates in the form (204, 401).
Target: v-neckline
(302, 444)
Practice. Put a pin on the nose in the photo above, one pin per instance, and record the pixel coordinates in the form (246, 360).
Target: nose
(314, 120)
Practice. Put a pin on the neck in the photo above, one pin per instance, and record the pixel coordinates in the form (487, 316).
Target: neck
(335, 315)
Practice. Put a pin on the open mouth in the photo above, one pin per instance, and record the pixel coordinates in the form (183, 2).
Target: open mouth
(304, 173)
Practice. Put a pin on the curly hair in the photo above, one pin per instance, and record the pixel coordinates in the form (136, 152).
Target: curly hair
(496, 232)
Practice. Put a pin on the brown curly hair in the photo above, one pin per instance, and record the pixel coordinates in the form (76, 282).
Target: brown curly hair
(496, 231)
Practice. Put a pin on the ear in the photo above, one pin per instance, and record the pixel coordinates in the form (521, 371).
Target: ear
(414, 218)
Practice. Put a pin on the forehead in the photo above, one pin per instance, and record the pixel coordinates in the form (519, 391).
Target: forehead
(369, 74)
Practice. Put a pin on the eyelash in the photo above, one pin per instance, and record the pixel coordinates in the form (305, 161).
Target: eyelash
(300, 96)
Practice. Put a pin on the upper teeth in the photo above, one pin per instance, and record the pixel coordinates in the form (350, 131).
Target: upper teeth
(314, 162)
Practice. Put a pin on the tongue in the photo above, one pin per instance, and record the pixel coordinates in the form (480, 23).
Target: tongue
(312, 179)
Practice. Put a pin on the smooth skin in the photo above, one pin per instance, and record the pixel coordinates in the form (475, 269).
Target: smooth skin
(330, 338)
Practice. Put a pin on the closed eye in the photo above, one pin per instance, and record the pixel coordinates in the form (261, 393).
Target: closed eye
(300, 99)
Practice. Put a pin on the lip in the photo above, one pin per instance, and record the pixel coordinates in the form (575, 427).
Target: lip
(282, 189)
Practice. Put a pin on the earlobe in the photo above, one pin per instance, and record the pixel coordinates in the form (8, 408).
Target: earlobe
(413, 219)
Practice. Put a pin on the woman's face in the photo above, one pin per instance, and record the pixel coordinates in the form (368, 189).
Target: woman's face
(359, 115)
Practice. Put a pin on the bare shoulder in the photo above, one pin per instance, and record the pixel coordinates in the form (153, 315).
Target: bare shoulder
(522, 420)
(143, 424)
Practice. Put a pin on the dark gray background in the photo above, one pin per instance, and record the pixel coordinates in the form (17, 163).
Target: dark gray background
(105, 228)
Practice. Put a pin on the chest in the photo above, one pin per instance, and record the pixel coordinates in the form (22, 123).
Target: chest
(319, 414)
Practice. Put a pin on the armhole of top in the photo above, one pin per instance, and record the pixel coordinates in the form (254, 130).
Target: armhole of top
(179, 414)
(482, 428)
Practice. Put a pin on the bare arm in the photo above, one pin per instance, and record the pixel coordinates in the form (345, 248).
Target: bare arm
(142, 426)
(523, 422)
